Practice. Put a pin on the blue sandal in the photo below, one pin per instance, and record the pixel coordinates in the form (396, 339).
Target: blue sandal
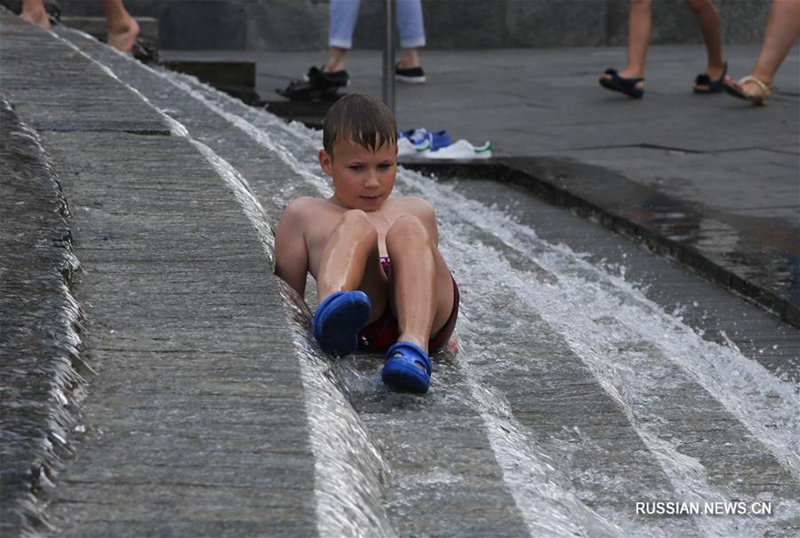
(711, 86)
(621, 84)
(339, 319)
(404, 371)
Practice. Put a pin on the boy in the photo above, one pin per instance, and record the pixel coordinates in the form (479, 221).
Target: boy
(381, 281)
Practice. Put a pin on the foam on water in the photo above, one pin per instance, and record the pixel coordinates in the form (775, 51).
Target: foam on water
(601, 316)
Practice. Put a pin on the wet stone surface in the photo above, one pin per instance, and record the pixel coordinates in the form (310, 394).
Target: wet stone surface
(38, 323)
(214, 413)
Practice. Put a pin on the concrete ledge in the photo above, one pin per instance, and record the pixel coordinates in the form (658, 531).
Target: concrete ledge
(96, 26)
(198, 384)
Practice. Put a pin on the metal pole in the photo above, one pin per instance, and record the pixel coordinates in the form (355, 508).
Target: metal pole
(388, 56)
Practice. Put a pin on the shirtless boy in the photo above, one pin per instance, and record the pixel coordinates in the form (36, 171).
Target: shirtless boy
(381, 281)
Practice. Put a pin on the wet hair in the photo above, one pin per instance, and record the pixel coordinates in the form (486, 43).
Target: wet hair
(361, 119)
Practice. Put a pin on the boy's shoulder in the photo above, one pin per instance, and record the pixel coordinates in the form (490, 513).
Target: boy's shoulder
(305, 209)
(307, 203)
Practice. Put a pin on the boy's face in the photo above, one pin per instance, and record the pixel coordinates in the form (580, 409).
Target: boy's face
(362, 179)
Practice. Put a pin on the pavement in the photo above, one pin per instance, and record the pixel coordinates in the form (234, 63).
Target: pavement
(158, 379)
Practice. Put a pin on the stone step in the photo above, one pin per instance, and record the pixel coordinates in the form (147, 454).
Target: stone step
(96, 26)
(237, 79)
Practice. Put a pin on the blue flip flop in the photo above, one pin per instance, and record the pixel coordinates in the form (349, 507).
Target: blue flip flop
(338, 320)
(402, 369)
(621, 84)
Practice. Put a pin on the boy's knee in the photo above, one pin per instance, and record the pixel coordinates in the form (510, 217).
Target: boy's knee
(642, 3)
(356, 220)
(406, 228)
(355, 217)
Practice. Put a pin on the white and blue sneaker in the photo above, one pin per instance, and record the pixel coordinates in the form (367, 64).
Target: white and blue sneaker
(461, 150)
(425, 140)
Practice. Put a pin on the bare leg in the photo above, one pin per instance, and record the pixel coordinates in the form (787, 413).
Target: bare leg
(640, 23)
(337, 60)
(350, 262)
(34, 12)
(423, 289)
(783, 26)
(122, 28)
(409, 58)
(711, 28)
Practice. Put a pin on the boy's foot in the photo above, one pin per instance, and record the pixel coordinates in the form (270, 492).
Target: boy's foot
(339, 319)
(316, 85)
(408, 368)
(410, 75)
(630, 86)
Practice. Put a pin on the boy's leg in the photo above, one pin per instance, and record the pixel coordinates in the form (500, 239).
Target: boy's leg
(350, 261)
(423, 287)
(711, 28)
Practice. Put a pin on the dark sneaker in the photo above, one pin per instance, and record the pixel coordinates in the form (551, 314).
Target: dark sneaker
(316, 85)
(412, 75)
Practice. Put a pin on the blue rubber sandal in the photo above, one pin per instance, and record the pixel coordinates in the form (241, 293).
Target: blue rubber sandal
(620, 84)
(338, 320)
(402, 369)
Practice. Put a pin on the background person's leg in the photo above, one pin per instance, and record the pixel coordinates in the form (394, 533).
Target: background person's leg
(123, 30)
(344, 14)
(34, 12)
(711, 28)
(783, 25)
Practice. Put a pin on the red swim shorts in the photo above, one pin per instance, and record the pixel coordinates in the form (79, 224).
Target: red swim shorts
(383, 332)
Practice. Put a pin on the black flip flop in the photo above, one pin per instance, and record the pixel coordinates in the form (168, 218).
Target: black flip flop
(623, 85)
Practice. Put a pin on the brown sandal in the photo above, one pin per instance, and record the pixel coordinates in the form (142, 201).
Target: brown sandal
(736, 89)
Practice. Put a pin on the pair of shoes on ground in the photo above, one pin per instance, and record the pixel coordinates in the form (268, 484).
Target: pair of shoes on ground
(736, 89)
(337, 322)
(424, 140)
(319, 85)
(630, 86)
(436, 145)
(316, 85)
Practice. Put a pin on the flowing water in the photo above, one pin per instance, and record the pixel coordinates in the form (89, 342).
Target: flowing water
(539, 321)
(518, 292)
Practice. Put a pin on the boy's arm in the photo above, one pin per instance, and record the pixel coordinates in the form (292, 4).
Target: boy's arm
(291, 254)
